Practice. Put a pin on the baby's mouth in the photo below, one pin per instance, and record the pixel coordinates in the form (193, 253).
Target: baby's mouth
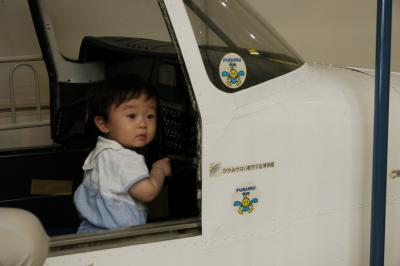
(141, 136)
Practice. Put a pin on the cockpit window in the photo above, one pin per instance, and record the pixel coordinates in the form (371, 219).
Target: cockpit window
(238, 49)
(102, 42)
(107, 18)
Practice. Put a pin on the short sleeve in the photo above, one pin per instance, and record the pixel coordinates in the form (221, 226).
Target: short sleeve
(133, 169)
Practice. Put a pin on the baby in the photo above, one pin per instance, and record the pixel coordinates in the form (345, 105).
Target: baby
(117, 182)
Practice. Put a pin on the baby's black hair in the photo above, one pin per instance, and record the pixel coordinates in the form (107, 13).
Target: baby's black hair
(114, 92)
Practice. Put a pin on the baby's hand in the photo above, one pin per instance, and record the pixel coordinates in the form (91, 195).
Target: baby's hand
(163, 165)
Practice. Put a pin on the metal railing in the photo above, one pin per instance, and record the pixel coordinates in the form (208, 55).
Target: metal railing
(22, 61)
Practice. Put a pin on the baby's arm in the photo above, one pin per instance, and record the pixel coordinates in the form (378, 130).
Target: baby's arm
(147, 189)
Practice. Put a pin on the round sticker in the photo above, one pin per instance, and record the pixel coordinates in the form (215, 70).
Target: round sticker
(245, 199)
(232, 70)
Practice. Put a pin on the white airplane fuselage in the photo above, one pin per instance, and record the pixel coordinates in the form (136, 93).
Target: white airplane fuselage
(300, 144)
(285, 169)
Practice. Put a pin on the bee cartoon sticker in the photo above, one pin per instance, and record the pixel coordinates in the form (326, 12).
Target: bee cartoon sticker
(232, 70)
(245, 199)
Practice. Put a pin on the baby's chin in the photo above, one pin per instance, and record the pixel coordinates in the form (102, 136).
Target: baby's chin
(137, 145)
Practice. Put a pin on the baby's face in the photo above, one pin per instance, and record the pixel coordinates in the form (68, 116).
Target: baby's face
(133, 123)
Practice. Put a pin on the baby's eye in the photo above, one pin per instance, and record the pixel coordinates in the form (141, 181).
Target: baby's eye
(151, 116)
(131, 116)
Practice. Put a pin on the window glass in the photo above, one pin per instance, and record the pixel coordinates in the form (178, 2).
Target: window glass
(107, 18)
(239, 50)
(129, 38)
(101, 39)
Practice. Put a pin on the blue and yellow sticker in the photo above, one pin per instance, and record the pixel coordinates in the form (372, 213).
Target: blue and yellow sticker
(245, 199)
(232, 70)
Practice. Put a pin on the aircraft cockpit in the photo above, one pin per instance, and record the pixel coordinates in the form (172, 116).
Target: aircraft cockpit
(52, 173)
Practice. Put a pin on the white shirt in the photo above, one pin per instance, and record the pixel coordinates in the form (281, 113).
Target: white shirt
(103, 200)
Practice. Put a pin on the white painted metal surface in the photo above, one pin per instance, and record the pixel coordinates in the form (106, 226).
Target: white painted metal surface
(313, 129)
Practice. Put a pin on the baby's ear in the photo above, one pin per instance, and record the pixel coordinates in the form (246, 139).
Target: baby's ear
(101, 124)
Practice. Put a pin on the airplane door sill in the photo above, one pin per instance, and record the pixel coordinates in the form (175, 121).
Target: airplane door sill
(153, 232)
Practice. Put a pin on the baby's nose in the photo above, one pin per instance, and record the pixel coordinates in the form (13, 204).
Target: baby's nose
(141, 120)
